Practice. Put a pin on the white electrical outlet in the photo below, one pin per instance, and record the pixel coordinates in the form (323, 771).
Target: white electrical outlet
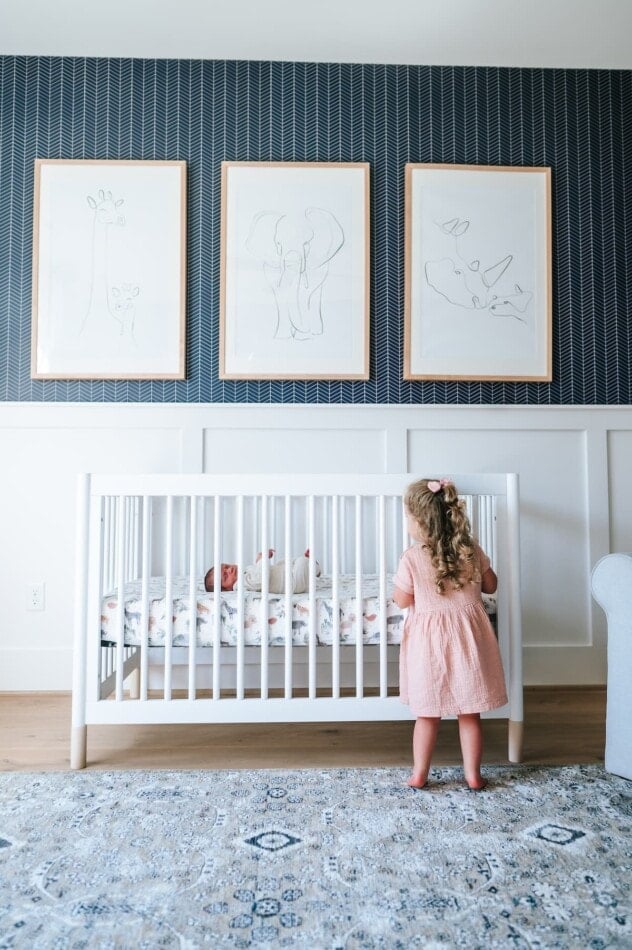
(35, 596)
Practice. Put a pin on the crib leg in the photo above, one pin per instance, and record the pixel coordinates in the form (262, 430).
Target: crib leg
(78, 747)
(515, 740)
(134, 684)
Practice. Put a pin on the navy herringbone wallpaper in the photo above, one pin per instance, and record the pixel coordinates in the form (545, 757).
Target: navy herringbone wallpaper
(578, 122)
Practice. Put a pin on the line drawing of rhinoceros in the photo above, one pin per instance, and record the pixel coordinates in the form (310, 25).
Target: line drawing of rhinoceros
(465, 284)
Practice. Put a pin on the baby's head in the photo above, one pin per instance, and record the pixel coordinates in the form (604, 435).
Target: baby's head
(428, 503)
(228, 577)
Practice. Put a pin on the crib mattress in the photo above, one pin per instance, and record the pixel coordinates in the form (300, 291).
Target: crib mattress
(205, 614)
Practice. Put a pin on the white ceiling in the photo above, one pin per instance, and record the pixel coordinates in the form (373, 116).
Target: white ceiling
(547, 33)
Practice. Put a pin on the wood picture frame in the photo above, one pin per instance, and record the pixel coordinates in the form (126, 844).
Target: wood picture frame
(478, 284)
(295, 271)
(109, 270)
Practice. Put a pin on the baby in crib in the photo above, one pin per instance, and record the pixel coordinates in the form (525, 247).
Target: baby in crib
(276, 575)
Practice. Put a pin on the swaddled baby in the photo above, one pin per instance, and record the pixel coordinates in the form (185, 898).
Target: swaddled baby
(276, 575)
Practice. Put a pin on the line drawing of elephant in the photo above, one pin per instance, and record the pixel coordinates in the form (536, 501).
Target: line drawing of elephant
(295, 251)
(467, 285)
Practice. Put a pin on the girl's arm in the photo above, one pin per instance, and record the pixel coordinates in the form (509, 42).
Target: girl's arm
(401, 599)
(489, 582)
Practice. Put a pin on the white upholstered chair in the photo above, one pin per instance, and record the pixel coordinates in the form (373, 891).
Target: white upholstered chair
(612, 589)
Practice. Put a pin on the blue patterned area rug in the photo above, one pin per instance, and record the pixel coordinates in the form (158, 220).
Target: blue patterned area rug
(336, 858)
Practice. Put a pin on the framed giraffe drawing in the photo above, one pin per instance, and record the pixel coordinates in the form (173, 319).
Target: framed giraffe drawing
(477, 273)
(109, 270)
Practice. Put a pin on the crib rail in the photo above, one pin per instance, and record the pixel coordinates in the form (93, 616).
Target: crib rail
(133, 528)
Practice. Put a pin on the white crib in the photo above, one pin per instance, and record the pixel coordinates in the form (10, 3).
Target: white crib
(144, 543)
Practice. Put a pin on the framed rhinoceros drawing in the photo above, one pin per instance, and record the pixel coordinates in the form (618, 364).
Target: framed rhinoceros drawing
(294, 296)
(477, 273)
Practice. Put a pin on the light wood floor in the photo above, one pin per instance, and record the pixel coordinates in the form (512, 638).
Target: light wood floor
(563, 725)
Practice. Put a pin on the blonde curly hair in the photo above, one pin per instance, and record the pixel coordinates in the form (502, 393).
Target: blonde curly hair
(441, 515)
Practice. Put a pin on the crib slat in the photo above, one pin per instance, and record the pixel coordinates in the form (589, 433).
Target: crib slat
(343, 536)
(217, 596)
(312, 600)
(254, 518)
(107, 558)
(272, 521)
(476, 514)
(494, 533)
(382, 596)
(138, 523)
(482, 522)
(240, 598)
(103, 578)
(144, 610)
(193, 514)
(326, 531)
(486, 513)
(335, 599)
(109, 542)
(263, 605)
(489, 542)
(120, 613)
(358, 593)
(394, 534)
(288, 598)
(168, 599)
(489, 527)
(128, 535)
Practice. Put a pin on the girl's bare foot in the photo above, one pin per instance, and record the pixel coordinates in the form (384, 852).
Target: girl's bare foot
(417, 781)
(477, 784)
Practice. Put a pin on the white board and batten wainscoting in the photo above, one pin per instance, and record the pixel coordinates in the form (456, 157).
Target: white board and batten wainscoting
(573, 464)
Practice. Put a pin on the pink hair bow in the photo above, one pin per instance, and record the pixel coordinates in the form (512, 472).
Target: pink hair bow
(436, 486)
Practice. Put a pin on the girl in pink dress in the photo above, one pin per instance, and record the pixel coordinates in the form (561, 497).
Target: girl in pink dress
(449, 658)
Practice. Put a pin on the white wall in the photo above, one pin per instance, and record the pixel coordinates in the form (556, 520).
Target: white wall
(574, 465)
(549, 33)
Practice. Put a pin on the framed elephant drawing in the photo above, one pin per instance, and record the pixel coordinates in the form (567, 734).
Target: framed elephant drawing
(478, 272)
(294, 298)
(109, 269)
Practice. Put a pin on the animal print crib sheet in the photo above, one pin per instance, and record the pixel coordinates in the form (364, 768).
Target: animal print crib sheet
(205, 614)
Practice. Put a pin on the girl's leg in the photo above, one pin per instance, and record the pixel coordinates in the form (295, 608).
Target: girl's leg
(471, 736)
(424, 738)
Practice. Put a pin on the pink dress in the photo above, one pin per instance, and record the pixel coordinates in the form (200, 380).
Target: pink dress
(449, 661)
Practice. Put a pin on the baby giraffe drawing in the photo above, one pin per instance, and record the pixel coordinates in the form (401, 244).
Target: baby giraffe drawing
(124, 306)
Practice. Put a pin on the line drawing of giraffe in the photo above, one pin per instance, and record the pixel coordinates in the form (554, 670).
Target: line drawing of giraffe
(106, 215)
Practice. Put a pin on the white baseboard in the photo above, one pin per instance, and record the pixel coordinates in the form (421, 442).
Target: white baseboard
(564, 666)
(35, 670)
